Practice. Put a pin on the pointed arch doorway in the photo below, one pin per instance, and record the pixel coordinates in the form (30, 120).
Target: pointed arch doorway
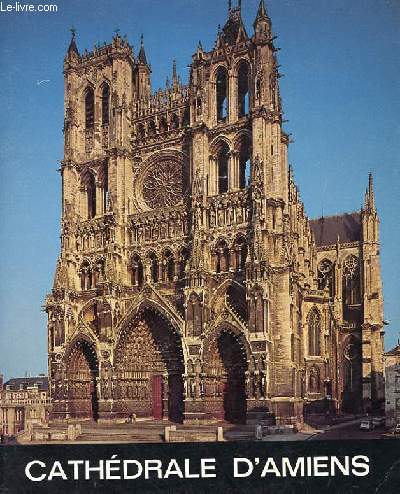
(82, 374)
(149, 369)
(226, 365)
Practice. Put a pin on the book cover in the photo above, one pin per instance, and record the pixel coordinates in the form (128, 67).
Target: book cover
(199, 231)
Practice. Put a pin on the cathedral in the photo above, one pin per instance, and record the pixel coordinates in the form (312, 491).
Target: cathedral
(191, 286)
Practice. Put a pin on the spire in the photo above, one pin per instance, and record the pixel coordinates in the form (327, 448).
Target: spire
(262, 23)
(73, 55)
(233, 30)
(72, 45)
(370, 196)
(262, 11)
(174, 76)
(142, 54)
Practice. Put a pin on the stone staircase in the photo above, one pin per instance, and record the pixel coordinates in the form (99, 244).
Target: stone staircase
(137, 432)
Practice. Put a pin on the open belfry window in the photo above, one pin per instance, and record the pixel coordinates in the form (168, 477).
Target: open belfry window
(223, 165)
(91, 196)
(105, 105)
(222, 94)
(243, 89)
(244, 164)
(89, 108)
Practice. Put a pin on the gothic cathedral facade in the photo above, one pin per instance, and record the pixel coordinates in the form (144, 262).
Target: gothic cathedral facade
(191, 285)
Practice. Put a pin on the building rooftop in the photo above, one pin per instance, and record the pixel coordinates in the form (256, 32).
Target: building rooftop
(15, 383)
(394, 351)
(343, 227)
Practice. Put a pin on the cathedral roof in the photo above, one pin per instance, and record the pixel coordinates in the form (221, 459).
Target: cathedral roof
(394, 351)
(345, 227)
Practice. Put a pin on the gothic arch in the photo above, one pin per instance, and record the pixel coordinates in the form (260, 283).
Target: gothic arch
(236, 297)
(217, 144)
(89, 106)
(104, 94)
(351, 351)
(214, 330)
(225, 358)
(221, 253)
(314, 324)
(240, 250)
(145, 303)
(221, 78)
(88, 184)
(149, 365)
(82, 370)
(243, 88)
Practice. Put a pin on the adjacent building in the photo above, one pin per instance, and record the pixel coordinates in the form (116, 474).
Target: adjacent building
(24, 401)
(392, 386)
(191, 285)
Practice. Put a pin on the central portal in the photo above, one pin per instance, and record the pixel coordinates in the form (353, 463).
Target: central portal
(149, 368)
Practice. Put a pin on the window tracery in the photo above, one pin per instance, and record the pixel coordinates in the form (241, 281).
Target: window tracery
(163, 184)
(351, 281)
(314, 333)
(325, 276)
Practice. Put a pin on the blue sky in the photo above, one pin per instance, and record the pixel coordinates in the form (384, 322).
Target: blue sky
(340, 93)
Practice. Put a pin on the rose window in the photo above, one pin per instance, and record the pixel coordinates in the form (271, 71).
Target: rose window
(162, 184)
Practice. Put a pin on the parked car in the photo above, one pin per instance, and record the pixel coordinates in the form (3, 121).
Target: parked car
(367, 425)
(378, 421)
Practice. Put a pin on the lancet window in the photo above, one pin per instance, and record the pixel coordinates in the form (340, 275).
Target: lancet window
(243, 89)
(222, 94)
(222, 167)
(89, 108)
(105, 105)
(244, 163)
(90, 184)
(314, 333)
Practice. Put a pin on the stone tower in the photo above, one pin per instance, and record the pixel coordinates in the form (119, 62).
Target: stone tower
(191, 285)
